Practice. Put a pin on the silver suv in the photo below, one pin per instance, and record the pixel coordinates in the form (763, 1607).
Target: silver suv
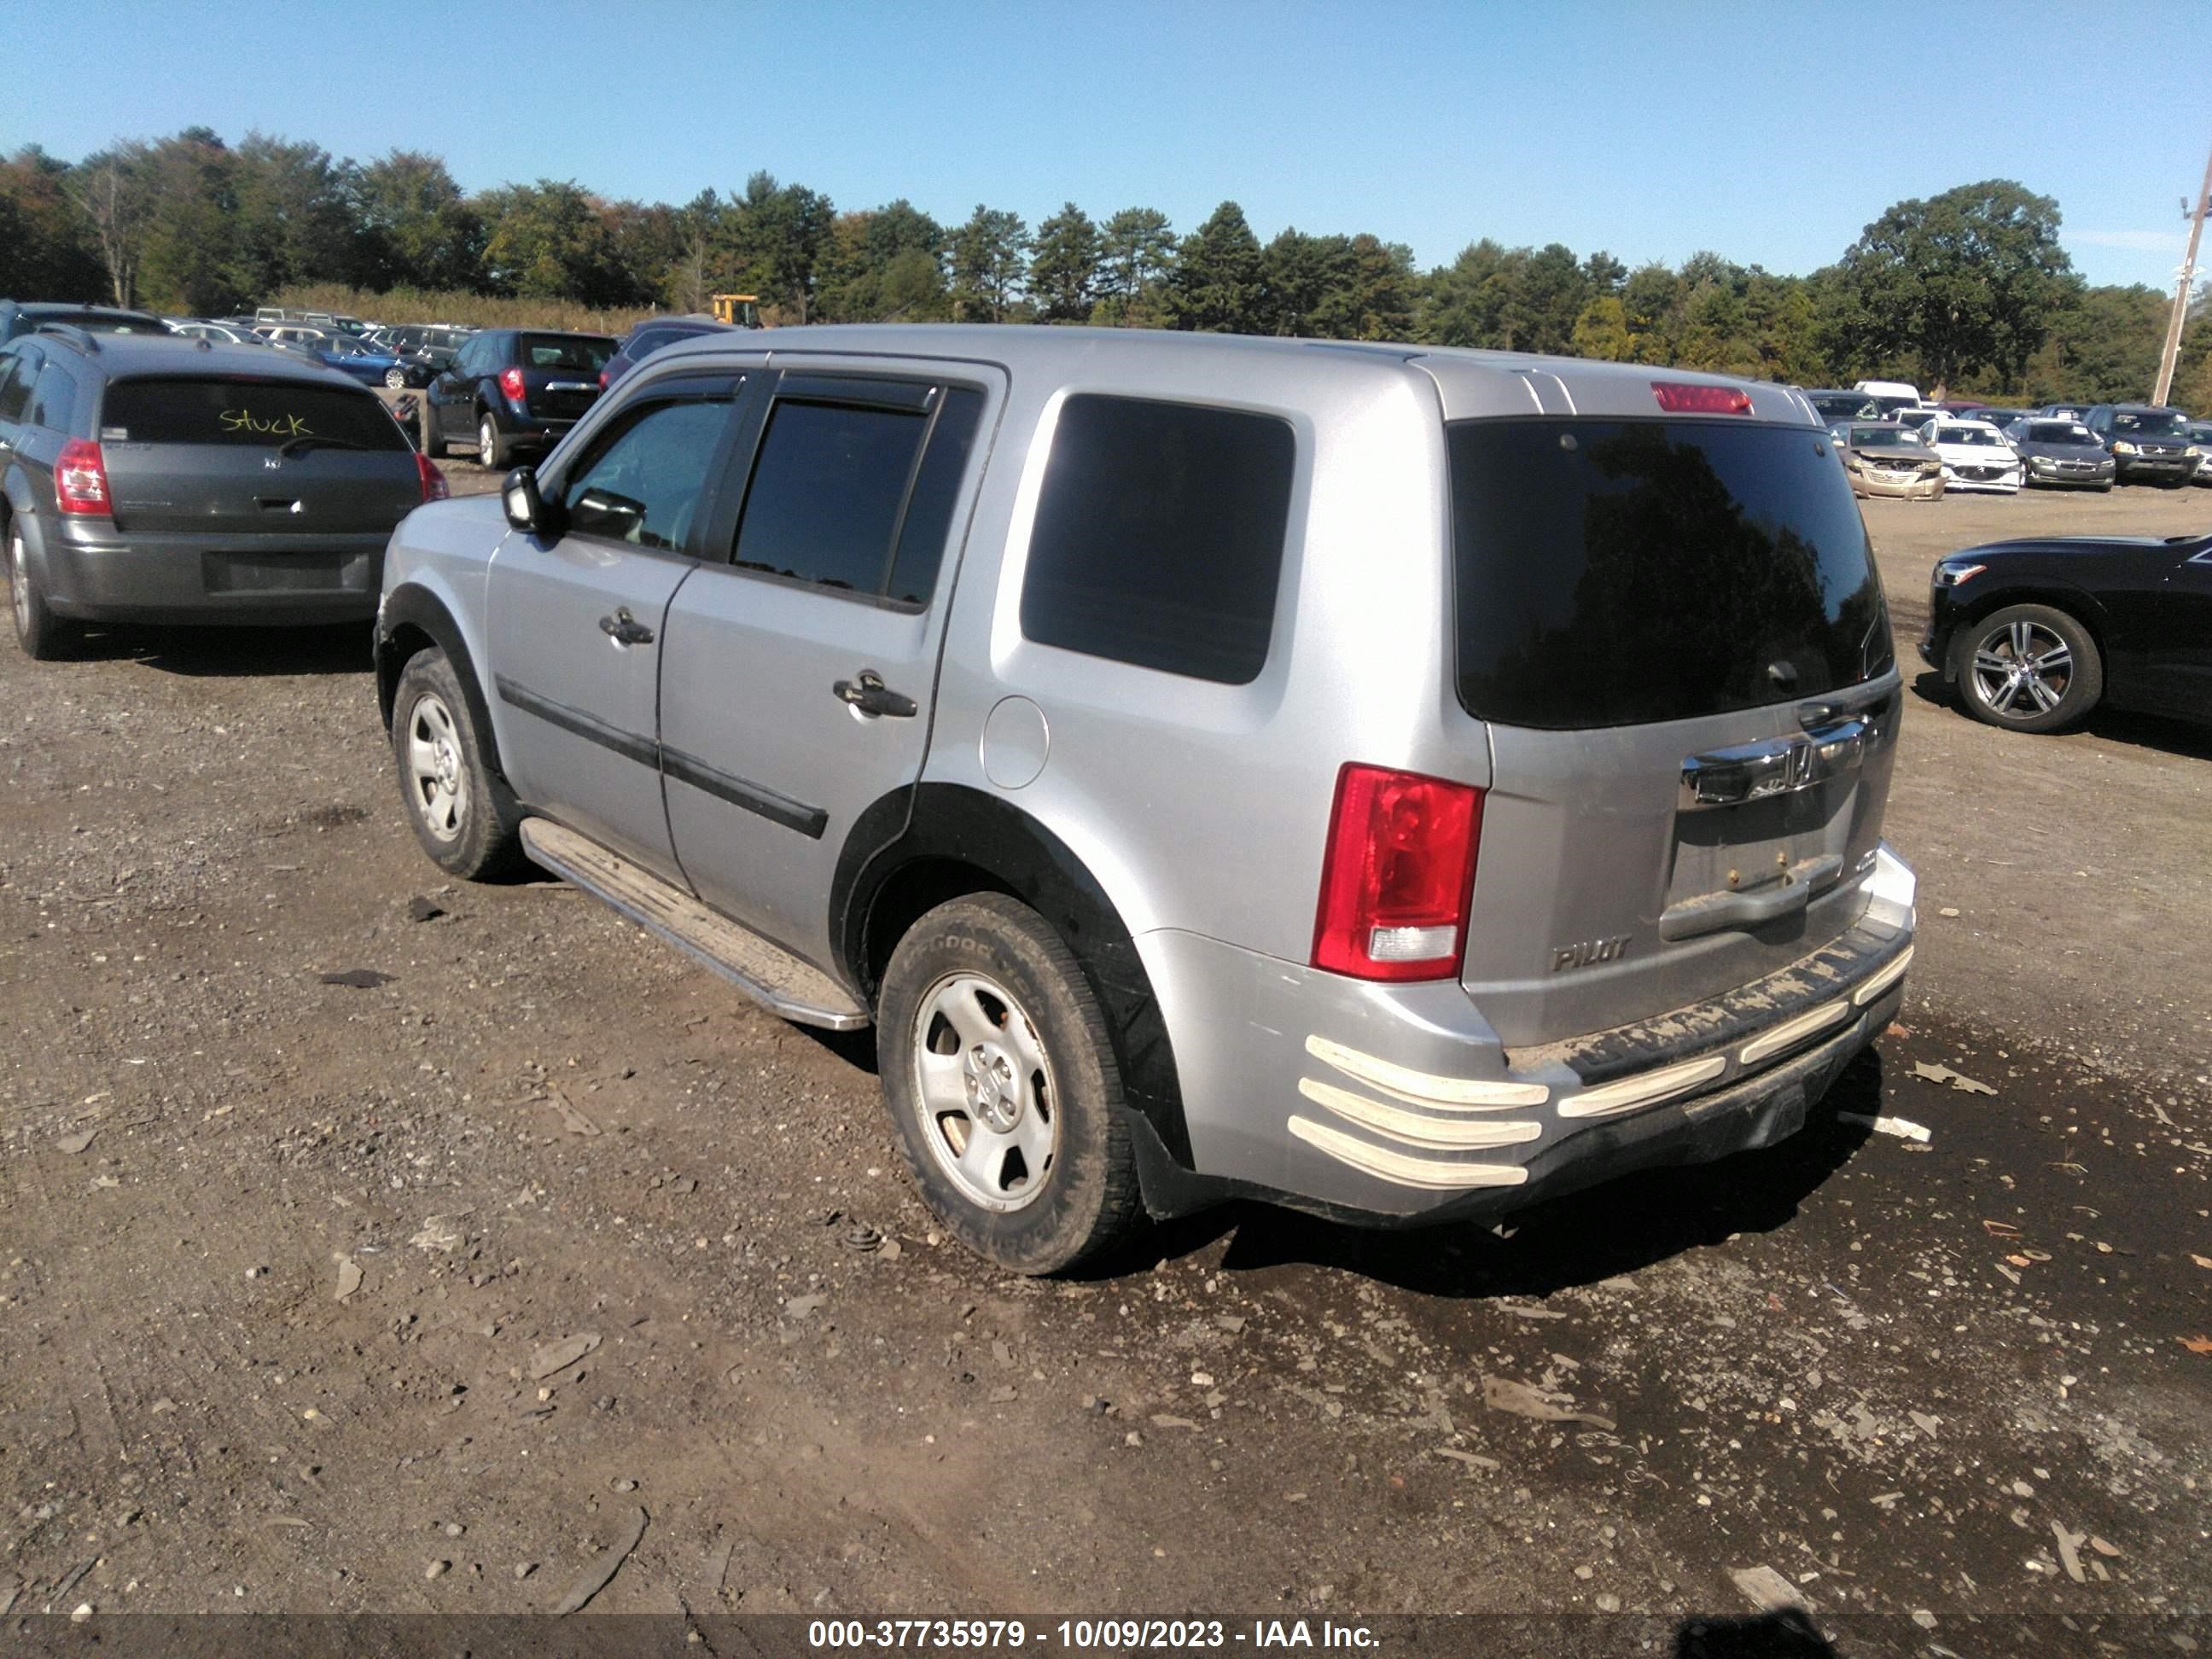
(1402, 783)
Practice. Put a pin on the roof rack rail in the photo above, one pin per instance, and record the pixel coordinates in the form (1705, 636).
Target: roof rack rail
(79, 337)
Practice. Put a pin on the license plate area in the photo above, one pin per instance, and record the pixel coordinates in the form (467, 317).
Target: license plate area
(285, 573)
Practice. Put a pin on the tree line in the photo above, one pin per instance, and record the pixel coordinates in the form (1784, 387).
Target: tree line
(1965, 291)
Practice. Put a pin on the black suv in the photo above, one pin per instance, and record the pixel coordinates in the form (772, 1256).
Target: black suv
(20, 317)
(179, 481)
(513, 388)
(2145, 442)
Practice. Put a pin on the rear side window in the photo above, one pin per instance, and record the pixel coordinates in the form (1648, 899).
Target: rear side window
(581, 353)
(1626, 572)
(1159, 536)
(15, 378)
(53, 400)
(826, 491)
(243, 413)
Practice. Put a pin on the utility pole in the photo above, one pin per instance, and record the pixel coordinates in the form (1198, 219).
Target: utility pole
(2181, 293)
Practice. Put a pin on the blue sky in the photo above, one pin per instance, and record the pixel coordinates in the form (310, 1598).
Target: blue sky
(1771, 134)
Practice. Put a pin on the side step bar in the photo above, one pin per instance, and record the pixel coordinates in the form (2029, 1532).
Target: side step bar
(768, 973)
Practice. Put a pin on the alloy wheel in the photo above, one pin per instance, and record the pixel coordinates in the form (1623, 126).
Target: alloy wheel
(19, 581)
(2022, 669)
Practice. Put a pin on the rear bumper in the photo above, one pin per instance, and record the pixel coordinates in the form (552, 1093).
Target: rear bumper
(1400, 1103)
(244, 580)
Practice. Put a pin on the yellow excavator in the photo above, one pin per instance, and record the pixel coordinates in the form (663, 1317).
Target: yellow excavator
(738, 310)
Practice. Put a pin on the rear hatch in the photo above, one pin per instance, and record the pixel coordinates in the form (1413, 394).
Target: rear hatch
(1675, 635)
(225, 455)
(560, 373)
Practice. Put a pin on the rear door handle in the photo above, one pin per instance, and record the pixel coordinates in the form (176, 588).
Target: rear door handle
(625, 630)
(871, 695)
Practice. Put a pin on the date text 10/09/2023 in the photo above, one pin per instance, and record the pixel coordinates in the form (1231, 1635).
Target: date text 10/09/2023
(1118, 1635)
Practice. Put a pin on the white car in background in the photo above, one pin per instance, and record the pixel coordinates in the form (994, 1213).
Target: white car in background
(1975, 456)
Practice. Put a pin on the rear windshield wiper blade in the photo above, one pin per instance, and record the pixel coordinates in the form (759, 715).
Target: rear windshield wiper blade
(308, 441)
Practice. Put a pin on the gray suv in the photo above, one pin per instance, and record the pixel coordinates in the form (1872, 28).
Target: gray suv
(1402, 783)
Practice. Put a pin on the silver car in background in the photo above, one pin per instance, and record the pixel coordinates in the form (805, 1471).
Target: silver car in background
(1402, 783)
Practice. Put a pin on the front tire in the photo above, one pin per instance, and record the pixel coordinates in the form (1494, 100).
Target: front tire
(43, 635)
(493, 452)
(1003, 1088)
(460, 809)
(2027, 668)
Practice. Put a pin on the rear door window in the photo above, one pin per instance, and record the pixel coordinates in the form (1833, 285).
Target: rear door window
(243, 413)
(17, 371)
(826, 491)
(1620, 573)
(1159, 536)
(53, 399)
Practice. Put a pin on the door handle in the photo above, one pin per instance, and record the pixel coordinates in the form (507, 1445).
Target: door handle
(871, 696)
(625, 630)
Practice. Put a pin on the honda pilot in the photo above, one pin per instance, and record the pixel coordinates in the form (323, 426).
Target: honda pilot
(1403, 783)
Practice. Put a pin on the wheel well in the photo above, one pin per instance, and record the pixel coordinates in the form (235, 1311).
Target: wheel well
(2072, 603)
(394, 652)
(917, 890)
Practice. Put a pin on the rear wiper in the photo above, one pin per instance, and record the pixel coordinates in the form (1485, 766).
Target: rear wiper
(308, 441)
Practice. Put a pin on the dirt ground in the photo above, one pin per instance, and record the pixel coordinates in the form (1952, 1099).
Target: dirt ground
(406, 1293)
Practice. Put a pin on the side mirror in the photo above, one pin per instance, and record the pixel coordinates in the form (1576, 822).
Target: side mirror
(527, 509)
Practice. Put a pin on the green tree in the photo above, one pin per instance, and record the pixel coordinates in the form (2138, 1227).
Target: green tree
(989, 261)
(1063, 273)
(1215, 286)
(1969, 279)
(1137, 250)
(415, 228)
(114, 192)
(543, 241)
(46, 248)
(1602, 331)
(2109, 350)
(191, 260)
(779, 236)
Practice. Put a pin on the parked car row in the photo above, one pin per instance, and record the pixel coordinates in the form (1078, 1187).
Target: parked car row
(1982, 446)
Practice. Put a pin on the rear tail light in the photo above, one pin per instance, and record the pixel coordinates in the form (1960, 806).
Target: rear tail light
(81, 479)
(1682, 397)
(435, 487)
(1398, 876)
(510, 382)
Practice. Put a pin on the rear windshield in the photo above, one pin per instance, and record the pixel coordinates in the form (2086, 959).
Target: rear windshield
(577, 351)
(243, 413)
(1619, 573)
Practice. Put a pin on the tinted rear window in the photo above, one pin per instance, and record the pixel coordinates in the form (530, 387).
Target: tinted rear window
(1159, 536)
(575, 351)
(244, 412)
(1626, 572)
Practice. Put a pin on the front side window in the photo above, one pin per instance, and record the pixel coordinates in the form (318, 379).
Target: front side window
(1159, 536)
(643, 481)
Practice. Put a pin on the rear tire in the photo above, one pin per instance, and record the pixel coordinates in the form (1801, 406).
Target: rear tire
(493, 452)
(2027, 668)
(1002, 1085)
(459, 808)
(433, 445)
(43, 635)
(396, 378)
